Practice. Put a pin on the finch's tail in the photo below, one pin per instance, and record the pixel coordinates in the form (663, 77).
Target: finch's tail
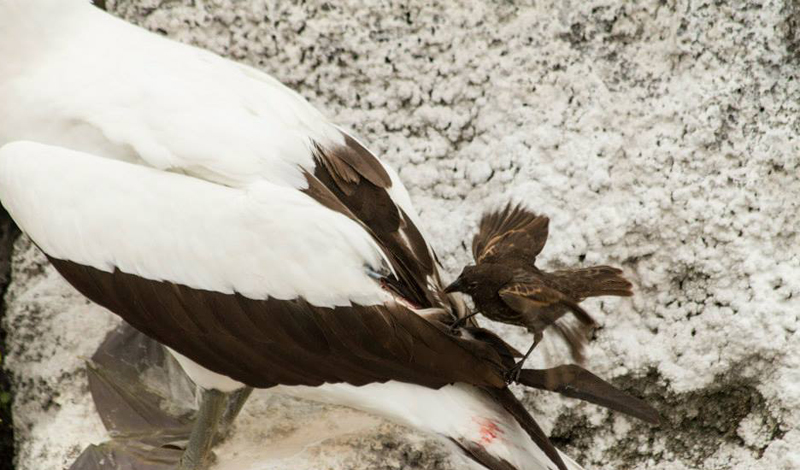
(592, 282)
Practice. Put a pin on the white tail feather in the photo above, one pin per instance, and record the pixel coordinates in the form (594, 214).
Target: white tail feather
(462, 415)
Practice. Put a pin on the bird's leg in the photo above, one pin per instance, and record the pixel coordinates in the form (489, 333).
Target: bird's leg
(236, 401)
(512, 375)
(461, 322)
(198, 450)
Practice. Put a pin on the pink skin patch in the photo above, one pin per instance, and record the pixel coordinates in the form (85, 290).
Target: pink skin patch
(488, 430)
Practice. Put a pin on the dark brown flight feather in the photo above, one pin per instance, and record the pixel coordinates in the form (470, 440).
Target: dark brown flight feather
(514, 230)
(264, 343)
(479, 454)
(350, 180)
(576, 382)
(507, 286)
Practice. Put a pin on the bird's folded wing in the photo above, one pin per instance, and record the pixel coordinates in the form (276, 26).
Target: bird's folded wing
(513, 231)
(262, 241)
(529, 295)
(263, 285)
(189, 111)
(530, 292)
(541, 306)
(384, 212)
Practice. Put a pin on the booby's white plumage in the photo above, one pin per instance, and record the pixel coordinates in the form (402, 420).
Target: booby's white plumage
(219, 209)
(263, 241)
(170, 105)
(458, 411)
(167, 105)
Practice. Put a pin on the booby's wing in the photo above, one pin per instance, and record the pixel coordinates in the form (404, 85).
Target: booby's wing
(513, 231)
(149, 100)
(265, 285)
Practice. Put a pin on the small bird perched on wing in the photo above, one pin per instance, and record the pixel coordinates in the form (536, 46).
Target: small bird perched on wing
(507, 286)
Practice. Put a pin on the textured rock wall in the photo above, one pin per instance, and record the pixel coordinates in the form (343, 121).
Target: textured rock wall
(8, 234)
(658, 135)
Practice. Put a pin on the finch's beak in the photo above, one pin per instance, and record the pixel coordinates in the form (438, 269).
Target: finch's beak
(456, 286)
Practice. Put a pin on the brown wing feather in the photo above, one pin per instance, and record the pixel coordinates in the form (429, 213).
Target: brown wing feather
(541, 306)
(576, 382)
(530, 296)
(513, 230)
(263, 343)
(350, 180)
(350, 162)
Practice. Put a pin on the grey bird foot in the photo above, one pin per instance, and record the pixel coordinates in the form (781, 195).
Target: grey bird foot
(189, 463)
(512, 375)
(198, 455)
(460, 322)
(236, 401)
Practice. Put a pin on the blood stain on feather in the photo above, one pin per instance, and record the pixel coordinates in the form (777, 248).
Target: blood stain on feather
(488, 430)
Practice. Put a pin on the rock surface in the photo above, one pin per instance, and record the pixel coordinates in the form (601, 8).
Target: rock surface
(8, 233)
(658, 136)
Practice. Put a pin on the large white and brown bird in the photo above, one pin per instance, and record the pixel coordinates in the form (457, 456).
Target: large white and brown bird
(219, 213)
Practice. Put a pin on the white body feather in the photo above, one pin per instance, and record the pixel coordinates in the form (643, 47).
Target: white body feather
(262, 241)
(456, 411)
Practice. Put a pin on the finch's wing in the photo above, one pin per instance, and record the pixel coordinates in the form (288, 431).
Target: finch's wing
(513, 230)
(529, 295)
(542, 306)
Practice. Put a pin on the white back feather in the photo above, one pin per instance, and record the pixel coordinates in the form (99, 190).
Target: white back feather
(264, 240)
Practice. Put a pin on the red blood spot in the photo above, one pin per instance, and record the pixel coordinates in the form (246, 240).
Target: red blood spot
(488, 430)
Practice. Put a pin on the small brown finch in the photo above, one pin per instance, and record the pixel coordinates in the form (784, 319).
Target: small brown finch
(507, 287)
